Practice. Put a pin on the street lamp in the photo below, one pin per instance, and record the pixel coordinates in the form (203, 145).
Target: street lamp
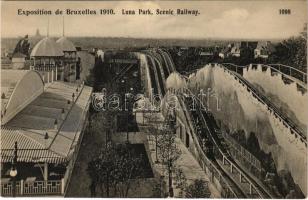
(13, 172)
(130, 108)
(127, 136)
(133, 101)
(46, 137)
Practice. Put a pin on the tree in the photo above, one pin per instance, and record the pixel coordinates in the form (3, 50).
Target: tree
(169, 152)
(114, 169)
(198, 189)
(153, 120)
(127, 166)
(181, 181)
(292, 52)
(102, 123)
(100, 170)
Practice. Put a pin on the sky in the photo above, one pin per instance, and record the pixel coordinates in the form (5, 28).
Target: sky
(218, 19)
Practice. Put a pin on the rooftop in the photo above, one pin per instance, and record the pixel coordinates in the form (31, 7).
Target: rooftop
(29, 126)
(18, 88)
(19, 55)
(66, 45)
(46, 47)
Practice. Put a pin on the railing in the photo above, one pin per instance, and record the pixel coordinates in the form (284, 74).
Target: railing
(209, 166)
(47, 67)
(279, 68)
(240, 153)
(71, 165)
(219, 153)
(291, 71)
(7, 188)
(272, 108)
(51, 187)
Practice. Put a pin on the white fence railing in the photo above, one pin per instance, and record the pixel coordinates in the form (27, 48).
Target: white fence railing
(51, 187)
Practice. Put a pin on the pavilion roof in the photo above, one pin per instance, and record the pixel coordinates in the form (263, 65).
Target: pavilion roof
(29, 127)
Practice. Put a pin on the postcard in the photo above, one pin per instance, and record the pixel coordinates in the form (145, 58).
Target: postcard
(154, 99)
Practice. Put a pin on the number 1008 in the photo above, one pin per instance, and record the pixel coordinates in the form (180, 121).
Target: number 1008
(284, 11)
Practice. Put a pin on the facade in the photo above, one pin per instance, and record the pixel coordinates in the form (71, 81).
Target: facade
(263, 49)
(18, 61)
(55, 60)
(239, 49)
(247, 49)
(236, 49)
(47, 58)
(225, 52)
(46, 122)
(69, 60)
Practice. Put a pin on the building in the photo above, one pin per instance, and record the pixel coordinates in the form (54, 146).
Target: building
(18, 60)
(46, 121)
(235, 49)
(241, 49)
(264, 49)
(206, 53)
(56, 60)
(6, 63)
(225, 52)
(247, 49)
(69, 60)
(47, 59)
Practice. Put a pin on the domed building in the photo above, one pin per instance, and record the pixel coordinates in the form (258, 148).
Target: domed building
(71, 70)
(47, 59)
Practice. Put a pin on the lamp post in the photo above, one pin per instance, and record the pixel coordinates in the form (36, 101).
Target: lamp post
(173, 130)
(123, 88)
(13, 172)
(130, 108)
(46, 137)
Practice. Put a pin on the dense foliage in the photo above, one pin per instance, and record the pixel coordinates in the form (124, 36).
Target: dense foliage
(198, 189)
(292, 52)
(114, 170)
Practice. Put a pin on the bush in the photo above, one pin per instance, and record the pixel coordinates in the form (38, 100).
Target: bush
(198, 189)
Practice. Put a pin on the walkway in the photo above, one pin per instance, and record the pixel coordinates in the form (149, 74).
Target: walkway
(187, 163)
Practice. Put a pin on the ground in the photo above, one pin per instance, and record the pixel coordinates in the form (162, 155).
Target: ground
(79, 185)
(80, 181)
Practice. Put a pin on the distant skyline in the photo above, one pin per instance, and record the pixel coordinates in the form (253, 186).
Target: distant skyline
(217, 20)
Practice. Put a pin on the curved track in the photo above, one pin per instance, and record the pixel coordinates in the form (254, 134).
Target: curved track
(249, 187)
(262, 98)
(238, 182)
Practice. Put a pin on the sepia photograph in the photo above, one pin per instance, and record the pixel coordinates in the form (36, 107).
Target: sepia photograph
(154, 99)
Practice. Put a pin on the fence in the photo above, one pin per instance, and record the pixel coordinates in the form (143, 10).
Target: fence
(221, 155)
(270, 107)
(214, 173)
(283, 69)
(245, 157)
(52, 187)
(70, 167)
(291, 71)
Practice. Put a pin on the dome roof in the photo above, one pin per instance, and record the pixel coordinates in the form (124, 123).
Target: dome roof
(47, 47)
(65, 44)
